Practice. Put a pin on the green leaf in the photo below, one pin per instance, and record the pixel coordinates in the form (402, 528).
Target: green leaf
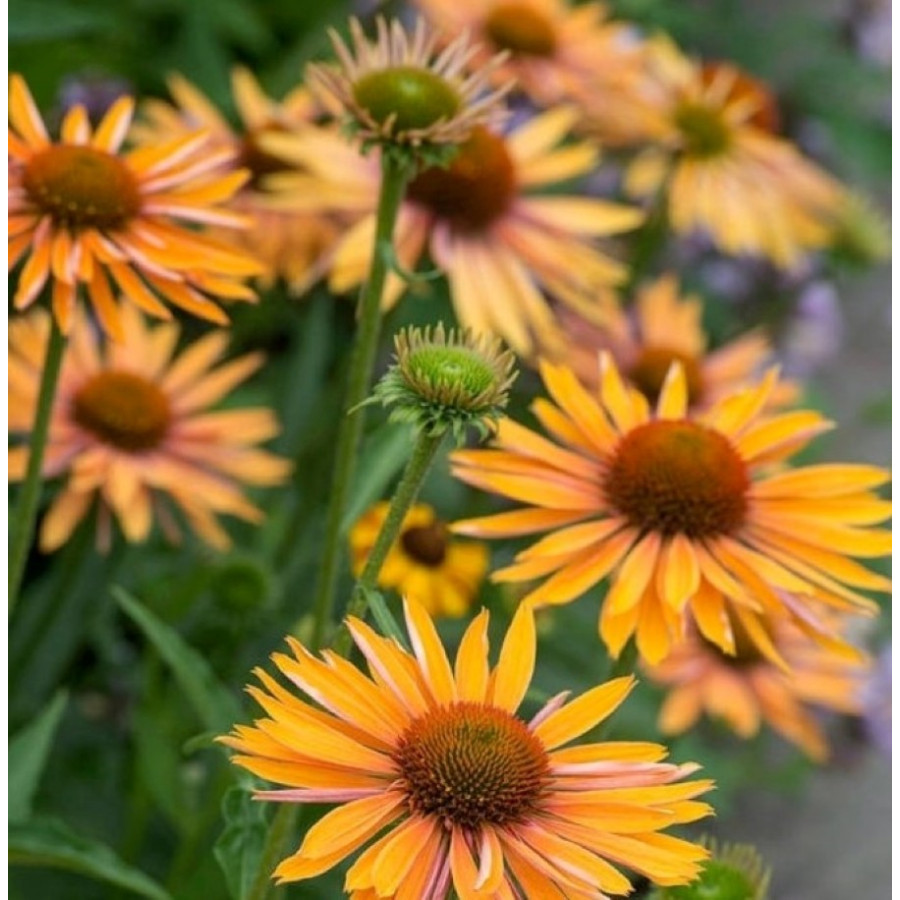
(385, 454)
(383, 617)
(51, 843)
(28, 752)
(214, 704)
(239, 848)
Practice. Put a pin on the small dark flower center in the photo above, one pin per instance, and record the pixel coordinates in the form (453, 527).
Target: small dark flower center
(746, 652)
(471, 765)
(704, 132)
(678, 478)
(477, 188)
(426, 544)
(520, 28)
(260, 162)
(81, 187)
(416, 97)
(652, 365)
(123, 409)
(746, 87)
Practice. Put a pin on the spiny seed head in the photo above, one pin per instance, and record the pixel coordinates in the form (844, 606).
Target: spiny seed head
(406, 97)
(447, 381)
(678, 477)
(733, 872)
(399, 93)
(470, 764)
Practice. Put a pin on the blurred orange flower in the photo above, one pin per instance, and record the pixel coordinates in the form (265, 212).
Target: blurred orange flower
(130, 425)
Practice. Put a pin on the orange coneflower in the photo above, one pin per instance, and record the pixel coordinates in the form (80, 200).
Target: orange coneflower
(722, 169)
(290, 245)
(81, 212)
(687, 512)
(555, 52)
(130, 426)
(664, 327)
(426, 563)
(498, 241)
(433, 763)
(745, 690)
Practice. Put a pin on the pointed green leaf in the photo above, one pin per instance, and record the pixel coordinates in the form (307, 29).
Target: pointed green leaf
(239, 848)
(214, 704)
(51, 843)
(28, 752)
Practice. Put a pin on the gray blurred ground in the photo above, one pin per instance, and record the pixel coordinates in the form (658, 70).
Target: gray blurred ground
(833, 840)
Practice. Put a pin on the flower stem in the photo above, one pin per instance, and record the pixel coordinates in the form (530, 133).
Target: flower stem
(284, 824)
(27, 505)
(417, 467)
(394, 176)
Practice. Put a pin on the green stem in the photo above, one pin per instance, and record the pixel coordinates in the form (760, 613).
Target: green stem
(284, 824)
(394, 177)
(30, 494)
(417, 467)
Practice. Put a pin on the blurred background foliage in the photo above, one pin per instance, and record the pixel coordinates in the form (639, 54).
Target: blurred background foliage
(116, 787)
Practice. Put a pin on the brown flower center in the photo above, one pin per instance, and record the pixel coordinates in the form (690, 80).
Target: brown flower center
(746, 652)
(123, 409)
(477, 188)
(650, 369)
(259, 161)
(703, 130)
(426, 544)
(81, 187)
(520, 28)
(471, 765)
(678, 478)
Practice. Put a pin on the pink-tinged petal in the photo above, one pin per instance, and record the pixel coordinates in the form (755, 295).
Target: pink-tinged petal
(304, 795)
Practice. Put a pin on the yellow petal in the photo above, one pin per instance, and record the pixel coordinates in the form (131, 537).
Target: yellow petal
(583, 713)
(516, 664)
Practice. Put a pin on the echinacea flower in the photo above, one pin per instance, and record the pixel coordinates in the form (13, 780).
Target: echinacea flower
(82, 212)
(399, 90)
(131, 428)
(745, 689)
(433, 764)
(723, 171)
(498, 241)
(693, 516)
(426, 563)
(291, 246)
(664, 327)
(553, 51)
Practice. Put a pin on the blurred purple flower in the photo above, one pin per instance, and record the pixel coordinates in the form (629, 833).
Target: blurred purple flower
(876, 700)
(92, 90)
(815, 330)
